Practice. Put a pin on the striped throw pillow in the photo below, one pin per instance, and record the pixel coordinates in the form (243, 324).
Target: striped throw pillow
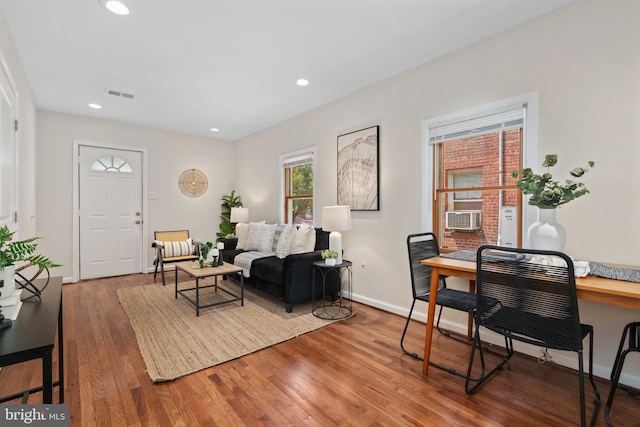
(174, 249)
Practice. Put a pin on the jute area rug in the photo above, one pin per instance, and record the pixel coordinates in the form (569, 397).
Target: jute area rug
(174, 342)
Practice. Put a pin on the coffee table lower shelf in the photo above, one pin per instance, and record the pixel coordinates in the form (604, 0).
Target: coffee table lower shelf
(202, 273)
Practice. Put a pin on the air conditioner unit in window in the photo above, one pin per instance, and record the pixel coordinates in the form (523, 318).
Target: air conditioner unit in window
(463, 220)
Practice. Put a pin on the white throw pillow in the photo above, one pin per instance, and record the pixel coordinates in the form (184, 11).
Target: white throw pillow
(310, 244)
(242, 232)
(260, 237)
(304, 239)
(267, 236)
(253, 236)
(279, 229)
(285, 241)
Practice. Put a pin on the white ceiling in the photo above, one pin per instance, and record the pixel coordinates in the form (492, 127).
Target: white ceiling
(232, 64)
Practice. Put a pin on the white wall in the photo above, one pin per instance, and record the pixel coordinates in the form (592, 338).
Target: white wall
(170, 153)
(26, 137)
(583, 61)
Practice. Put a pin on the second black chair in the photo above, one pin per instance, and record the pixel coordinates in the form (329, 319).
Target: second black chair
(632, 334)
(423, 246)
(538, 305)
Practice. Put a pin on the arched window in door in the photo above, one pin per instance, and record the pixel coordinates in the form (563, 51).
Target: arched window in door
(111, 164)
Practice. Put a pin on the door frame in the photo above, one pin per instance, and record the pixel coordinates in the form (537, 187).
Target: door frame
(11, 85)
(77, 143)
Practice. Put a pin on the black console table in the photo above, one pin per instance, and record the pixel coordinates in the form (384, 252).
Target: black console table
(341, 306)
(33, 336)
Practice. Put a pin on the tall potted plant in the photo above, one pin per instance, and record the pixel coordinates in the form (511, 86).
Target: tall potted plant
(227, 228)
(12, 252)
(547, 195)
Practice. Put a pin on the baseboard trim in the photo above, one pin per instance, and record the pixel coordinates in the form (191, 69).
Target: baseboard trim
(562, 358)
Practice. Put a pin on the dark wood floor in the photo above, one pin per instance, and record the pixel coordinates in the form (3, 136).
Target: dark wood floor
(349, 373)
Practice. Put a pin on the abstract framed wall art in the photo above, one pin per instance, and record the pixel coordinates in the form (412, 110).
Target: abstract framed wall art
(358, 185)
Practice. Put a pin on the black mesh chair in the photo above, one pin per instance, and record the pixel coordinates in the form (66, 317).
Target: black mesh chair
(632, 333)
(424, 246)
(538, 305)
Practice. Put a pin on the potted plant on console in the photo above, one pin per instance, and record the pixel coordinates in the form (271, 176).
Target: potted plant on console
(329, 257)
(12, 252)
(547, 195)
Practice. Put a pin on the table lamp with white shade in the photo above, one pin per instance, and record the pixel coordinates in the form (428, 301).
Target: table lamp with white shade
(239, 215)
(336, 219)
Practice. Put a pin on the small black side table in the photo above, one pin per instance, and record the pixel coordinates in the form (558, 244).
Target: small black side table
(341, 307)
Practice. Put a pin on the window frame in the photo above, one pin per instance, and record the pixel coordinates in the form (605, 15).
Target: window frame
(285, 181)
(528, 156)
(460, 172)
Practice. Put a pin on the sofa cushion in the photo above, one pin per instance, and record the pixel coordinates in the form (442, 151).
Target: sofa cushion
(268, 269)
(230, 255)
(246, 259)
(285, 241)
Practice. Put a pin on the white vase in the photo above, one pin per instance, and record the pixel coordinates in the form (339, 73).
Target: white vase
(7, 276)
(546, 233)
(330, 261)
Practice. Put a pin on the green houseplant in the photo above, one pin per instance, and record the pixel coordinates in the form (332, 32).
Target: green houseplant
(204, 252)
(547, 193)
(328, 253)
(23, 250)
(227, 228)
(329, 256)
(12, 252)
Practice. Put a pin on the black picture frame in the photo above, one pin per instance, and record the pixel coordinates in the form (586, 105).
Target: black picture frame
(358, 169)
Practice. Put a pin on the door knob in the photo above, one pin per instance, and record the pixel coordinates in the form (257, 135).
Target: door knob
(137, 213)
(138, 222)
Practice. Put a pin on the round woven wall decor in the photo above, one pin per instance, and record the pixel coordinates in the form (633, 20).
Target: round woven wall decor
(193, 183)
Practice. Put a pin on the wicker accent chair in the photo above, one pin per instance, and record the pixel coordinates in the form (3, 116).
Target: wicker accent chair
(424, 246)
(173, 246)
(538, 305)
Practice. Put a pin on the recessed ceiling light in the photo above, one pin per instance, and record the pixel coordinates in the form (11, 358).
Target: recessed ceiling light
(95, 106)
(116, 7)
(215, 130)
(302, 82)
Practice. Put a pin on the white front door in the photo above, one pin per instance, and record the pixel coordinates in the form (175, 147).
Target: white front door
(110, 214)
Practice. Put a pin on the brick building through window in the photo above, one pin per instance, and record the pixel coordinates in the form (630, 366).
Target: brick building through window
(481, 167)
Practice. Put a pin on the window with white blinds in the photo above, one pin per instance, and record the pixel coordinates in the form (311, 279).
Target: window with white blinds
(474, 154)
(512, 118)
(297, 183)
(298, 159)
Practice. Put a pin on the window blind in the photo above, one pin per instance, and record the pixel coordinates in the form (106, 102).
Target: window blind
(298, 160)
(475, 126)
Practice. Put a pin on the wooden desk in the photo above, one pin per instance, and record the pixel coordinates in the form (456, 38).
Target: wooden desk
(607, 291)
(33, 335)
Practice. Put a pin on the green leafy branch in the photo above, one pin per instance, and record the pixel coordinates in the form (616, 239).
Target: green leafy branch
(547, 193)
(23, 250)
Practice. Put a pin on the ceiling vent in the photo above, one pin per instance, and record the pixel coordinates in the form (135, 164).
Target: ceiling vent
(119, 93)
